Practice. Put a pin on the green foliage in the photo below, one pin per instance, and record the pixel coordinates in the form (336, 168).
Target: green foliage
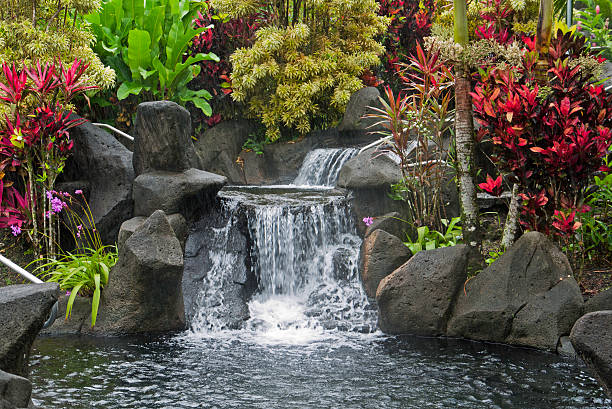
(306, 62)
(146, 44)
(46, 31)
(493, 256)
(594, 24)
(85, 272)
(432, 239)
(596, 229)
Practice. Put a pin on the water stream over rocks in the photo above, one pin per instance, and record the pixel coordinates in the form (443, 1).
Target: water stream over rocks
(279, 319)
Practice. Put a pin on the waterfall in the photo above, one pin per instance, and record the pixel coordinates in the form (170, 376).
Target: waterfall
(321, 167)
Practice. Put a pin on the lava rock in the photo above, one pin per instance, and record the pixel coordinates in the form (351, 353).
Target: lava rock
(368, 170)
(359, 106)
(177, 221)
(186, 192)
(599, 302)
(547, 316)
(163, 138)
(15, 391)
(418, 297)
(531, 281)
(99, 160)
(381, 254)
(565, 348)
(23, 311)
(592, 340)
(144, 290)
(220, 146)
(391, 223)
(80, 317)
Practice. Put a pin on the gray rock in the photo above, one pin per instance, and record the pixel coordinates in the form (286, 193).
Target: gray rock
(23, 311)
(144, 290)
(357, 108)
(80, 317)
(369, 169)
(592, 340)
(163, 138)
(14, 390)
(565, 348)
(381, 254)
(172, 192)
(177, 221)
(525, 277)
(100, 161)
(599, 302)
(391, 223)
(220, 146)
(418, 297)
(547, 316)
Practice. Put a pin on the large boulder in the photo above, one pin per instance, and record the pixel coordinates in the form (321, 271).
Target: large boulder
(527, 297)
(592, 340)
(369, 169)
(220, 146)
(381, 254)
(391, 223)
(354, 119)
(163, 138)
(172, 192)
(23, 311)
(599, 302)
(177, 221)
(144, 290)
(100, 161)
(418, 297)
(15, 391)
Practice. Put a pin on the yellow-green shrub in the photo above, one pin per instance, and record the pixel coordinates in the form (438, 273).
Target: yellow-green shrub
(306, 60)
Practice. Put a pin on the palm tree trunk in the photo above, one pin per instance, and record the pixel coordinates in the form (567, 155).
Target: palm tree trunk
(545, 22)
(464, 138)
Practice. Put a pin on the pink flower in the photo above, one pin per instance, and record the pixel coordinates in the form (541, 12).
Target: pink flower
(597, 9)
(16, 230)
(68, 292)
(368, 221)
(78, 192)
(79, 230)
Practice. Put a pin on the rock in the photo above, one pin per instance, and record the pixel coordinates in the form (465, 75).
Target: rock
(163, 138)
(566, 349)
(547, 316)
(100, 161)
(417, 298)
(186, 192)
(177, 221)
(369, 169)
(220, 146)
(342, 270)
(529, 289)
(599, 302)
(381, 254)
(592, 340)
(144, 289)
(23, 311)
(359, 106)
(80, 317)
(15, 391)
(391, 223)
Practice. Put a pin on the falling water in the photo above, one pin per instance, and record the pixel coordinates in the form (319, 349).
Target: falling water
(322, 166)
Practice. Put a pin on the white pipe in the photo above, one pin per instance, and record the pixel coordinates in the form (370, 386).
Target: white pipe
(19, 270)
(378, 142)
(112, 128)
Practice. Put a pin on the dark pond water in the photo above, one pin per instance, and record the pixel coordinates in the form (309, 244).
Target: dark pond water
(331, 370)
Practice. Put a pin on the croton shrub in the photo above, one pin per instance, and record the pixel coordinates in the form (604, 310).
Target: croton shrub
(552, 137)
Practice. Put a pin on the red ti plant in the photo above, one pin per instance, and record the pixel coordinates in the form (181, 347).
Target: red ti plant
(552, 139)
(35, 142)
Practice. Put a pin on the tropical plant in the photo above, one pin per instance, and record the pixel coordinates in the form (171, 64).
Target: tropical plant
(146, 43)
(418, 127)
(595, 27)
(35, 142)
(429, 239)
(85, 270)
(595, 231)
(47, 31)
(551, 139)
(306, 61)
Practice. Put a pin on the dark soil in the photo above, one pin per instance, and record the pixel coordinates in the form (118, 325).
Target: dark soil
(17, 250)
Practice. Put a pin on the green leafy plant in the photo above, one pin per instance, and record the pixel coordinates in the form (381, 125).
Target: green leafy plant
(428, 239)
(146, 43)
(493, 256)
(593, 22)
(85, 270)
